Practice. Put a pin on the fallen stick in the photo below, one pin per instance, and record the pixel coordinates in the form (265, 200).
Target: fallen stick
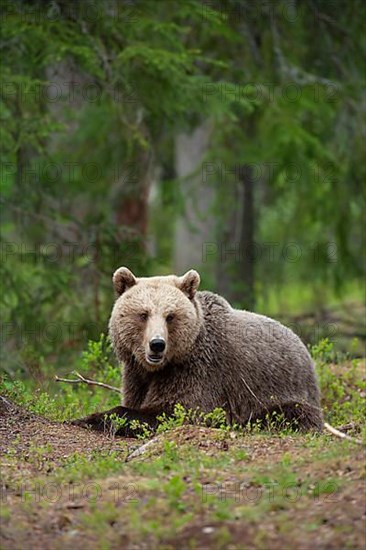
(82, 380)
(342, 435)
(142, 450)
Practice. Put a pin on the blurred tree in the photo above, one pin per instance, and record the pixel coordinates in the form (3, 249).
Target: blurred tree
(95, 99)
(90, 91)
(300, 66)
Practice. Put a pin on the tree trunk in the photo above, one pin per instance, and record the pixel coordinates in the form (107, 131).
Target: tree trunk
(236, 246)
(247, 243)
(196, 229)
(131, 196)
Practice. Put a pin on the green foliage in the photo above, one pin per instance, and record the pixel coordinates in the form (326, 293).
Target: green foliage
(63, 401)
(343, 388)
(34, 400)
(140, 75)
(116, 422)
(273, 423)
(143, 75)
(98, 464)
(305, 188)
(97, 358)
(181, 416)
(174, 489)
(323, 351)
(342, 385)
(141, 429)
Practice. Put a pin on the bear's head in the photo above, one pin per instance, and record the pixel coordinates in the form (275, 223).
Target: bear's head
(156, 320)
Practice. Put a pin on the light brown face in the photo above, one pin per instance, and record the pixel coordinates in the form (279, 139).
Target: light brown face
(154, 319)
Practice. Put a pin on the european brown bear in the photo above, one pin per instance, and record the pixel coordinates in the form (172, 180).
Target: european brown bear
(181, 345)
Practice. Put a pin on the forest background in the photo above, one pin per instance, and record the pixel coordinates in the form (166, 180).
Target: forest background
(222, 136)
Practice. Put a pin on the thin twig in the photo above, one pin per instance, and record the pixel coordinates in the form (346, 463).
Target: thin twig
(342, 435)
(88, 381)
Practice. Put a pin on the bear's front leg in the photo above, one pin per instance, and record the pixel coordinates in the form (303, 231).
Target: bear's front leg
(117, 421)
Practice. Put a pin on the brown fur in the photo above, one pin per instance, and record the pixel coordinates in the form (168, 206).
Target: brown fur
(215, 356)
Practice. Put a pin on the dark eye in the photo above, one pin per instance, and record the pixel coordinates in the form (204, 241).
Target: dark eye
(143, 316)
(169, 318)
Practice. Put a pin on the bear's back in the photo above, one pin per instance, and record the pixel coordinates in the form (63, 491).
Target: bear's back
(256, 354)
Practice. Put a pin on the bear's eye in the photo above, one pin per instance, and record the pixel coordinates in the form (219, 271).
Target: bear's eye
(169, 317)
(143, 316)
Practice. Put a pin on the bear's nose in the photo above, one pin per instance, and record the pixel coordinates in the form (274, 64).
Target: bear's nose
(157, 345)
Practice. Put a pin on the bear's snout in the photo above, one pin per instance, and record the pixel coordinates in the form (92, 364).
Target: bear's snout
(157, 344)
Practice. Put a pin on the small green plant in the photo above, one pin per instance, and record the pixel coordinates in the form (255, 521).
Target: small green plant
(342, 385)
(116, 423)
(141, 429)
(214, 419)
(179, 417)
(97, 357)
(323, 351)
(174, 489)
(65, 401)
(98, 464)
(5, 513)
(38, 456)
(217, 419)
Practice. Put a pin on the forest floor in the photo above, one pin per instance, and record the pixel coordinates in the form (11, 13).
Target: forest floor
(194, 488)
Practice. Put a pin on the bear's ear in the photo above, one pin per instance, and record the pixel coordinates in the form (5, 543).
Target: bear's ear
(123, 279)
(189, 283)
